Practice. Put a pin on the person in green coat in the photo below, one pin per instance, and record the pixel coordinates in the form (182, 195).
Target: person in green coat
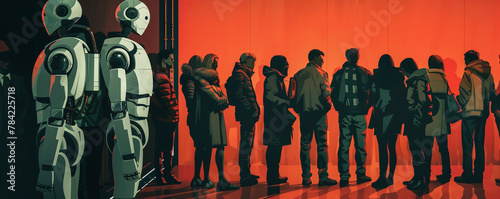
(278, 120)
(209, 124)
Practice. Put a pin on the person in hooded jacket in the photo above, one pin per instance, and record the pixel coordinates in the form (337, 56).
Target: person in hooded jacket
(477, 90)
(208, 120)
(439, 128)
(278, 120)
(388, 91)
(187, 81)
(350, 96)
(247, 112)
(419, 115)
(165, 111)
(495, 108)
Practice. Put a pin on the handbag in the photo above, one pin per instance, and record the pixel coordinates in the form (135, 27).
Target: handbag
(452, 109)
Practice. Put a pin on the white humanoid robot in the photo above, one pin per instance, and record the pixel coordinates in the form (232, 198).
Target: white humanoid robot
(128, 76)
(61, 75)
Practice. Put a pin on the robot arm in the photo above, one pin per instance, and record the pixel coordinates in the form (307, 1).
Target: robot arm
(118, 60)
(59, 64)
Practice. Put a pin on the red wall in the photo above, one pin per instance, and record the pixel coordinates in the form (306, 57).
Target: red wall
(292, 28)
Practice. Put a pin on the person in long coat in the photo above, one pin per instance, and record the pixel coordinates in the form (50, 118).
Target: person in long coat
(187, 81)
(209, 124)
(278, 120)
(388, 91)
(438, 128)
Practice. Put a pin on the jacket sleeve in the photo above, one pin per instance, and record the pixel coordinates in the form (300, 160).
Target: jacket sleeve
(240, 92)
(189, 91)
(213, 92)
(464, 89)
(165, 93)
(271, 89)
(367, 83)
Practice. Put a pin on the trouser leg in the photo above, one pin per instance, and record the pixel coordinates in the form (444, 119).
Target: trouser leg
(247, 132)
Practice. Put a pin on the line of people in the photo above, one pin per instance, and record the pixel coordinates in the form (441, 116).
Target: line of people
(406, 95)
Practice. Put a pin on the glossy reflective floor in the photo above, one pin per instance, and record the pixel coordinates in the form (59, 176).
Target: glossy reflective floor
(294, 188)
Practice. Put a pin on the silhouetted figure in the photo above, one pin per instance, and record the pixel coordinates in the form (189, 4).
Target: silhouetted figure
(188, 87)
(438, 128)
(165, 110)
(495, 108)
(477, 89)
(387, 94)
(312, 103)
(247, 112)
(419, 115)
(278, 120)
(210, 127)
(350, 96)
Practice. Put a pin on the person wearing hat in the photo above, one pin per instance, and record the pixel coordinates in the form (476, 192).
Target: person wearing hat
(277, 126)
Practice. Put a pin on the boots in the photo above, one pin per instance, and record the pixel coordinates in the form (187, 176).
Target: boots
(419, 182)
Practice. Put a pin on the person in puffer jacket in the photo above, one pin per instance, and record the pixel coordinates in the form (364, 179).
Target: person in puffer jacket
(419, 115)
(477, 90)
(247, 112)
(165, 111)
(188, 87)
(208, 122)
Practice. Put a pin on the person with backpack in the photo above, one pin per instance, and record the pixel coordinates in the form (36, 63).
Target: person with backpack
(278, 120)
(477, 90)
(419, 115)
(439, 128)
(387, 94)
(312, 103)
(188, 87)
(241, 94)
(350, 96)
(208, 121)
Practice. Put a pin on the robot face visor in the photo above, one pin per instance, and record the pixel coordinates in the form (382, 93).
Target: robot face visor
(60, 13)
(135, 14)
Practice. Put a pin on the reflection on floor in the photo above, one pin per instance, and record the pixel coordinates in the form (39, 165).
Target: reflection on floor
(294, 188)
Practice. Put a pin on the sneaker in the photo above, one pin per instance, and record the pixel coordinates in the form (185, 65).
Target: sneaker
(497, 180)
(278, 180)
(306, 182)
(443, 178)
(248, 181)
(363, 179)
(380, 183)
(418, 185)
(208, 184)
(196, 182)
(172, 180)
(224, 185)
(344, 183)
(464, 179)
(327, 182)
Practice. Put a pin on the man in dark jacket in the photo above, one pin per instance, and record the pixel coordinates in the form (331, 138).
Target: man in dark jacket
(350, 89)
(312, 102)
(477, 89)
(247, 113)
(165, 110)
(278, 120)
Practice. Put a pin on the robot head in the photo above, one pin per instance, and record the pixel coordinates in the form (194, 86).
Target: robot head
(134, 14)
(60, 13)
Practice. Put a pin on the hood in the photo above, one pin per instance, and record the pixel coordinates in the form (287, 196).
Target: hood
(186, 69)
(239, 66)
(268, 71)
(185, 78)
(480, 67)
(208, 74)
(388, 78)
(420, 74)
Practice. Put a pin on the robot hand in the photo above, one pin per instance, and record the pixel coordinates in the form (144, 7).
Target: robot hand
(45, 181)
(131, 172)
